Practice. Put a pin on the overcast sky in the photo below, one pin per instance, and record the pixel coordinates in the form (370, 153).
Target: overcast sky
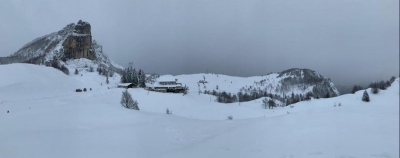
(345, 40)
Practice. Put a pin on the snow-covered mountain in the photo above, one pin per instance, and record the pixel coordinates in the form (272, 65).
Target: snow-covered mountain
(50, 47)
(296, 81)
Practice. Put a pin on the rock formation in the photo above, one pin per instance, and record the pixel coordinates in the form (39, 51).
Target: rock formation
(79, 44)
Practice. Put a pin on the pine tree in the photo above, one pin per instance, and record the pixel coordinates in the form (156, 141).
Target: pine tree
(123, 77)
(128, 102)
(265, 102)
(100, 71)
(356, 88)
(142, 79)
(134, 77)
(271, 103)
(186, 90)
(375, 90)
(392, 79)
(308, 95)
(128, 75)
(365, 96)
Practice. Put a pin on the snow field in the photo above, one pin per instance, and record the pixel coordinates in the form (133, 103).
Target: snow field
(49, 119)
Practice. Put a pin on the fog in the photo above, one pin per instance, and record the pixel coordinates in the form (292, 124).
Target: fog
(348, 41)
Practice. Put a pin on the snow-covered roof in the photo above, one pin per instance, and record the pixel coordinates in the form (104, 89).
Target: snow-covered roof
(124, 84)
(157, 84)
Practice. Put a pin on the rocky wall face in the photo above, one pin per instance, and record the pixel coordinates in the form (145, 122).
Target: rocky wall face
(78, 45)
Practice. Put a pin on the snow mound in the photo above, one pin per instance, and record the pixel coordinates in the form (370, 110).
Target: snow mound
(31, 81)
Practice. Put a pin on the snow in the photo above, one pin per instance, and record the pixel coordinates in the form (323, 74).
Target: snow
(49, 119)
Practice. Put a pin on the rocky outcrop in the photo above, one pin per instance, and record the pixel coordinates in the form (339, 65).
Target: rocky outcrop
(79, 43)
(74, 41)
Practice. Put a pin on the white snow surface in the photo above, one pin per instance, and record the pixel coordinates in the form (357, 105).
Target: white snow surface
(233, 84)
(49, 119)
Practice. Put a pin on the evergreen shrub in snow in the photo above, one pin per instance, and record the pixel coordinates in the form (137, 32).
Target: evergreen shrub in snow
(128, 102)
(365, 96)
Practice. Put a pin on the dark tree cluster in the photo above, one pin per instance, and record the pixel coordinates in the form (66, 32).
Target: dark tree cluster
(356, 88)
(130, 75)
(382, 85)
(223, 97)
(55, 64)
(104, 71)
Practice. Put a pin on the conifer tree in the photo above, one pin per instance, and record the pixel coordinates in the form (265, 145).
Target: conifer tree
(142, 79)
(134, 77)
(365, 96)
(128, 102)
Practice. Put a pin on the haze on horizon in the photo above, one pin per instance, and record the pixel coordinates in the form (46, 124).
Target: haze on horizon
(347, 41)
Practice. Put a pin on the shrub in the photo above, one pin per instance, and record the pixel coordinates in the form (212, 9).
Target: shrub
(91, 69)
(230, 117)
(168, 112)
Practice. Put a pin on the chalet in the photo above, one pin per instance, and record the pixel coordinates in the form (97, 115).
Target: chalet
(126, 85)
(167, 86)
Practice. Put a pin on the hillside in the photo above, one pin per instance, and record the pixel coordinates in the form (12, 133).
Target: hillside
(51, 120)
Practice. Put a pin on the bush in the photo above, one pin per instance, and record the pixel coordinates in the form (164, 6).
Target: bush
(168, 112)
(230, 117)
(356, 88)
(340, 104)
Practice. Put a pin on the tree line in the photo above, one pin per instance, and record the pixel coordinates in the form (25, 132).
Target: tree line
(130, 75)
(375, 86)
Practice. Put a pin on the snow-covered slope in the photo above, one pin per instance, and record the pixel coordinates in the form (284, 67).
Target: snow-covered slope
(296, 81)
(51, 121)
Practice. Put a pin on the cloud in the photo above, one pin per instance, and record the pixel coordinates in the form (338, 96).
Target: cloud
(347, 41)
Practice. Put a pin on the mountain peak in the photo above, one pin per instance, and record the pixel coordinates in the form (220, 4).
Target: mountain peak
(74, 41)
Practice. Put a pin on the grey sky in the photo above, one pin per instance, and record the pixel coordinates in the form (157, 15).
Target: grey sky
(346, 40)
